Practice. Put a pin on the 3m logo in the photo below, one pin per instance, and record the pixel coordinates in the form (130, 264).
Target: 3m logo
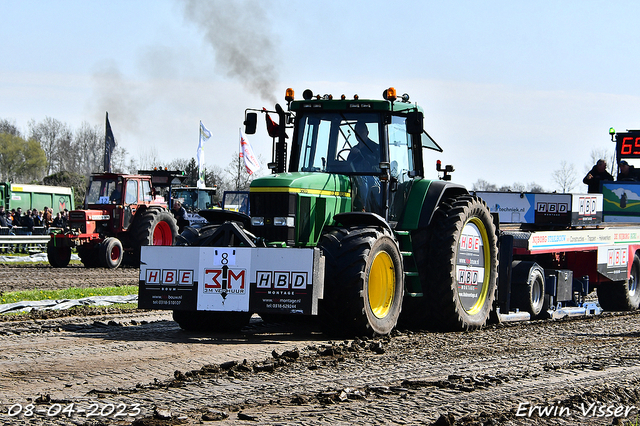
(169, 277)
(281, 280)
(552, 207)
(617, 257)
(587, 206)
(225, 280)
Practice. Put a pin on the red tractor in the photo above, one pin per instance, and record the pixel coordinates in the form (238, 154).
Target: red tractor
(122, 213)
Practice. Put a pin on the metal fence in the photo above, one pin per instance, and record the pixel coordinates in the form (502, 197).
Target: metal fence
(15, 239)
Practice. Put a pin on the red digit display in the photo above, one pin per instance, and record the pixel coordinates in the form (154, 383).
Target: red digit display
(628, 145)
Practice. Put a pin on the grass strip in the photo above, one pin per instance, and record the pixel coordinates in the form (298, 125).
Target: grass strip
(68, 293)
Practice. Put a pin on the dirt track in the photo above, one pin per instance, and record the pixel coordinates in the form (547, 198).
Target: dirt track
(15, 277)
(294, 375)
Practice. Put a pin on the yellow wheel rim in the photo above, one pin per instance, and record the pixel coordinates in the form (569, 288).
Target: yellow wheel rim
(477, 307)
(382, 284)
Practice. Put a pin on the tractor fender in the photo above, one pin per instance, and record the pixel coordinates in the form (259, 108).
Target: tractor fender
(424, 198)
(218, 216)
(361, 218)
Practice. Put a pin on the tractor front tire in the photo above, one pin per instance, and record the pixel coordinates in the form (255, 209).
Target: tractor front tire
(363, 281)
(457, 259)
(111, 253)
(621, 295)
(59, 257)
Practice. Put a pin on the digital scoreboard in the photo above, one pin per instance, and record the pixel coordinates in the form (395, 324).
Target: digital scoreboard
(628, 144)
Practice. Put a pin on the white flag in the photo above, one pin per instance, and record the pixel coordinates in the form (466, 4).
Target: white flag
(250, 160)
(205, 134)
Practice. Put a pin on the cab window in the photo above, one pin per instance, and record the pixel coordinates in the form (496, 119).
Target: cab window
(399, 152)
(146, 191)
(132, 192)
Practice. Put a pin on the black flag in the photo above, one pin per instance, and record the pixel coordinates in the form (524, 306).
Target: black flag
(109, 144)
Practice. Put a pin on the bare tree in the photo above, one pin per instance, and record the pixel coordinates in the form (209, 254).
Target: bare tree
(483, 185)
(238, 178)
(119, 160)
(52, 134)
(148, 158)
(88, 145)
(534, 187)
(565, 177)
(518, 187)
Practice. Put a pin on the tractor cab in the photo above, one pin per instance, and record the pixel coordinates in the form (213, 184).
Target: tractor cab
(114, 199)
(346, 156)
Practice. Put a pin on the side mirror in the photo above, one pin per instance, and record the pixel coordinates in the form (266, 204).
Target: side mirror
(250, 123)
(415, 123)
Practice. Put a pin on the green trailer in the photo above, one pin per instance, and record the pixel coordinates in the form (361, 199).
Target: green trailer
(27, 196)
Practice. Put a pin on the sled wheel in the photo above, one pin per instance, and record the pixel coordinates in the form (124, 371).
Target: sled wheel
(59, 257)
(457, 260)
(211, 321)
(621, 295)
(111, 252)
(527, 288)
(363, 281)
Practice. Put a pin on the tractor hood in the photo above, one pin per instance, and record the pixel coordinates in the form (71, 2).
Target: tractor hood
(295, 207)
(319, 184)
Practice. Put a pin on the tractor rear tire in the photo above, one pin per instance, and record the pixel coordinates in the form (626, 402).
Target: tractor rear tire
(363, 281)
(457, 259)
(211, 321)
(155, 227)
(110, 253)
(621, 295)
(59, 257)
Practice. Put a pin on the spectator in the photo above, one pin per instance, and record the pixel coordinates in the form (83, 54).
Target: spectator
(46, 217)
(627, 172)
(37, 217)
(28, 222)
(597, 174)
(180, 214)
(4, 221)
(65, 217)
(58, 222)
(17, 217)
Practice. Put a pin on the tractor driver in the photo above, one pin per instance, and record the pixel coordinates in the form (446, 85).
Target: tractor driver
(116, 195)
(365, 155)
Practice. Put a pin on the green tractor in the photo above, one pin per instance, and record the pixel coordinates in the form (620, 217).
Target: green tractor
(392, 246)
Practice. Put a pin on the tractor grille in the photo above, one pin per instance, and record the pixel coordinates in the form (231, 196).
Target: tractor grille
(77, 216)
(78, 220)
(269, 205)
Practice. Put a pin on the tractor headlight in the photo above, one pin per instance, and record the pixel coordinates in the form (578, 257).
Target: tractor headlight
(257, 221)
(283, 221)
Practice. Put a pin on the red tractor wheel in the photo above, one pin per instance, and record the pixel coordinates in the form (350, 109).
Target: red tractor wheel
(111, 253)
(154, 227)
(162, 234)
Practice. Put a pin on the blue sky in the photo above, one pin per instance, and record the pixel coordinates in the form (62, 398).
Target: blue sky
(510, 88)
